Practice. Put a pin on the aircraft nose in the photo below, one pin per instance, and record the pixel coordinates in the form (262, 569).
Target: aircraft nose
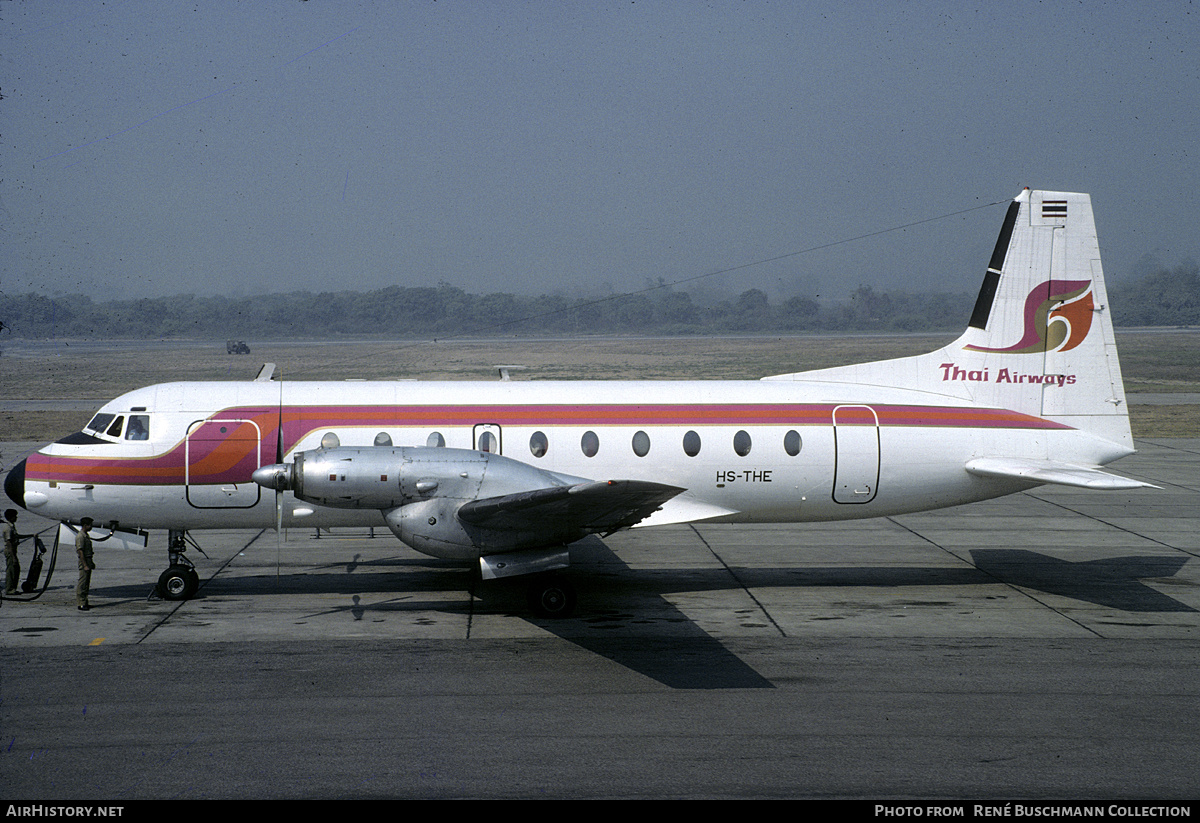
(14, 484)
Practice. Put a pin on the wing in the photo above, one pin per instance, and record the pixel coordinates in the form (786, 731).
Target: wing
(1052, 471)
(602, 507)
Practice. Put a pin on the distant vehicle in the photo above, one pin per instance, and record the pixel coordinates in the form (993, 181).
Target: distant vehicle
(236, 347)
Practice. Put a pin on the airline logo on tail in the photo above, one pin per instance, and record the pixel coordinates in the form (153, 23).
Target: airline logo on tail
(1058, 316)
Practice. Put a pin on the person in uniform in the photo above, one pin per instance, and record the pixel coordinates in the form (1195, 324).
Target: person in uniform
(83, 548)
(12, 565)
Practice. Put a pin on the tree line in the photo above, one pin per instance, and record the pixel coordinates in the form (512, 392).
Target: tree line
(445, 310)
(1156, 296)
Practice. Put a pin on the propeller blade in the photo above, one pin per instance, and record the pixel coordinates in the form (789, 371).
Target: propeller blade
(278, 486)
(279, 426)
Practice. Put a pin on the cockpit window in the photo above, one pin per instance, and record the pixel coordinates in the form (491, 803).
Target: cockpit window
(139, 427)
(99, 423)
(111, 425)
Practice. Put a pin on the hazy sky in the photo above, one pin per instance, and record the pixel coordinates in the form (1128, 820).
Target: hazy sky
(159, 147)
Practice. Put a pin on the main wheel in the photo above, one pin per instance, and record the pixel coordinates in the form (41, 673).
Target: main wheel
(178, 583)
(552, 597)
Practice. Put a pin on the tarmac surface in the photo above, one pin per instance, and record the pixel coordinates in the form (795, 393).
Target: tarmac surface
(1043, 646)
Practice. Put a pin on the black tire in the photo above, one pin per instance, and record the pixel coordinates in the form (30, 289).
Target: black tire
(178, 583)
(552, 597)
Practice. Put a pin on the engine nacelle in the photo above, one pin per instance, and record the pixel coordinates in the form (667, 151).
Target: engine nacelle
(383, 478)
(431, 527)
(419, 489)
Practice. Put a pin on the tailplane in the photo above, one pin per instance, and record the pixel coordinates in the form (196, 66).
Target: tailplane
(1040, 339)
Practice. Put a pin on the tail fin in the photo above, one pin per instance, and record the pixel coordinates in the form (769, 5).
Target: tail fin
(1042, 329)
(1040, 340)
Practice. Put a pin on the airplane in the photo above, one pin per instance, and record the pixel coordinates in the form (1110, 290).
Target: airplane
(505, 475)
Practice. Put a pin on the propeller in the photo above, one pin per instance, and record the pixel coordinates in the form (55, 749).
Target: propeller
(279, 478)
(279, 461)
(278, 475)
(274, 476)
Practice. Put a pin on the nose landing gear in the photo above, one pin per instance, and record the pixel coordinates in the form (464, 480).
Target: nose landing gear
(181, 580)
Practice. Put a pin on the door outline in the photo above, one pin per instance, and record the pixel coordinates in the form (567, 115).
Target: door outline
(856, 454)
(243, 495)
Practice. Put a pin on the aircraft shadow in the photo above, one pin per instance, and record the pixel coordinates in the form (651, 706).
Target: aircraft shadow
(1114, 582)
(654, 638)
(647, 634)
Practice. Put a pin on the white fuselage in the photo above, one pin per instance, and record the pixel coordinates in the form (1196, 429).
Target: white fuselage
(750, 451)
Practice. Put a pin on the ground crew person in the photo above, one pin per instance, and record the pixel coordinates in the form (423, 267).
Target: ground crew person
(12, 564)
(83, 548)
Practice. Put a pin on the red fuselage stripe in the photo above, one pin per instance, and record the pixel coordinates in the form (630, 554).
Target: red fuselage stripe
(231, 460)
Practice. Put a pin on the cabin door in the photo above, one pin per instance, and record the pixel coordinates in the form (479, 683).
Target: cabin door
(220, 456)
(856, 443)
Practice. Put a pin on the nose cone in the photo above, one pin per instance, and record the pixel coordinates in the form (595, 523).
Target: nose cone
(14, 484)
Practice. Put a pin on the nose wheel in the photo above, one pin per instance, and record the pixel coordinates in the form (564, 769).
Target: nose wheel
(178, 583)
(181, 580)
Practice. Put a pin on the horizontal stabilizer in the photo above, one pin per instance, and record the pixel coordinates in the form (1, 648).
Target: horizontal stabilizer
(587, 507)
(1051, 471)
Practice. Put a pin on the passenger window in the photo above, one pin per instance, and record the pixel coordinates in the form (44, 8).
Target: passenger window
(590, 443)
(435, 440)
(741, 443)
(487, 442)
(792, 443)
(538, 444)
(641, 444)
(691, 444)
(139, 427)
(115, 429)
(383, 439)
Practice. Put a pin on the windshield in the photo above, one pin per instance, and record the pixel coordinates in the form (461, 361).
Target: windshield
(99, 423)
(112, 425)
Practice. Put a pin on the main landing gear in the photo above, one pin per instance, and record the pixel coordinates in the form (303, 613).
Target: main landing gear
(549, 593)
(181, 580)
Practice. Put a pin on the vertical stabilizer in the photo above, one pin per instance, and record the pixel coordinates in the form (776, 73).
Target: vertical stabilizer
(1040, 338)
(1042, 331)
